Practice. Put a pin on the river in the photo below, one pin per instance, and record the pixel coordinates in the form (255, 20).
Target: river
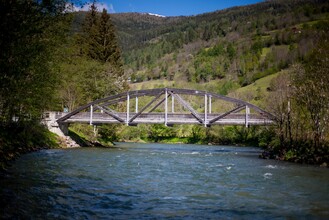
(162, 181)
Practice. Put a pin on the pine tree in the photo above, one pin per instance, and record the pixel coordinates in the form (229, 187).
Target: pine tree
(100, 45)
(90, 32)
(100, 40)
(107, 44)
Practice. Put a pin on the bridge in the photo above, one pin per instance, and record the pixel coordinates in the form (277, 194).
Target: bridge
(167, 106)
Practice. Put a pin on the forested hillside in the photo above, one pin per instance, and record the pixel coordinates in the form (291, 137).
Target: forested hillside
(239, 45)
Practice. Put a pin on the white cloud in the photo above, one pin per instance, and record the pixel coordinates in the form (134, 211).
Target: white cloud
(111, 9)
(100, 6)
(70, 7)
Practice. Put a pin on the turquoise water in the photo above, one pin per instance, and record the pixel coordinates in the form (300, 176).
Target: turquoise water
(161, 181)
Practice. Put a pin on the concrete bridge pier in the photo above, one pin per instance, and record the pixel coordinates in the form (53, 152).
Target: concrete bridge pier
(50, 120)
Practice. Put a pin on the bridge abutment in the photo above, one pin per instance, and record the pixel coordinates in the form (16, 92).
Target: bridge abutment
(61, 129)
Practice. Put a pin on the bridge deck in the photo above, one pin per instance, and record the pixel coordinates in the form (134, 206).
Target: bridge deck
(172, 118)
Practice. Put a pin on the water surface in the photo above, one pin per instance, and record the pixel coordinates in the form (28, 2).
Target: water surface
(159, 181)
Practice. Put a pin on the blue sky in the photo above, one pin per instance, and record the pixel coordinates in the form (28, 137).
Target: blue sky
(171, 7)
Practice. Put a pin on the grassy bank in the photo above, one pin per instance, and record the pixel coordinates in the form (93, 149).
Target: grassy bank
(19, 138)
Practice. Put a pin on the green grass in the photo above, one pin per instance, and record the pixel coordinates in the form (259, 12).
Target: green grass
(152, 84)
(256, 92)
(265, 51)
(175, 140)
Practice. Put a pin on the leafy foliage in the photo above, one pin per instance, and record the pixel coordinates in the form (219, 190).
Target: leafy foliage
(300, 102)
(30, 32)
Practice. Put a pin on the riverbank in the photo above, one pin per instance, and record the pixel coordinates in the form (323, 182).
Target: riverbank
(25, 137)
(17, 139)
(184, 140)
(20, 138)
(301, 153)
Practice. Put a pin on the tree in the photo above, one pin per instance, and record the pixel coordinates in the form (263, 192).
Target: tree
(101, 45)
(92, 67)
(30, 32)
(311, 83)
(100, 39)
(279, 103)
(299, 100)
(109, 49)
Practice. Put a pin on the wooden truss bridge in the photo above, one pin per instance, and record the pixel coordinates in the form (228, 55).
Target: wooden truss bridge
(168, 106)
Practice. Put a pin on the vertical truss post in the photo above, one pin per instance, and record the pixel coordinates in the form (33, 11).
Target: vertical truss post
(247, 116)
(91, 115)
(166, 107)
(172, 104)
(95, 130)
(136, 104)
(128, 99)
(210, 104)
(205, 110)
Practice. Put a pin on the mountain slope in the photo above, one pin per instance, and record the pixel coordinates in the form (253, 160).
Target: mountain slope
(238, 45)
(228, 48)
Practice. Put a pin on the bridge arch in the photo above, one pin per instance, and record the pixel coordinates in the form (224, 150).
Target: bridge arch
(168, 106)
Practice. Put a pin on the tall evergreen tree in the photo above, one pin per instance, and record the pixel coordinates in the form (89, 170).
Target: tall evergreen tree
(89, 34)
(100, 39)
(101, 45)
(109, 50)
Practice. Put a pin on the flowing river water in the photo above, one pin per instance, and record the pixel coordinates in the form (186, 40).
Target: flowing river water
(162, 181)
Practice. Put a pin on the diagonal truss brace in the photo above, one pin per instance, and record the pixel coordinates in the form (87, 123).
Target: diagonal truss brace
(159, 103)
(239, 108)
(111, 113)
(186, 105)
(146, 106)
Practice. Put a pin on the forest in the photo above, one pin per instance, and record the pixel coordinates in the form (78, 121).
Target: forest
(273, 54)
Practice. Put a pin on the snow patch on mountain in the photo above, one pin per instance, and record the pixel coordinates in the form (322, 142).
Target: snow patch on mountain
(157, 15)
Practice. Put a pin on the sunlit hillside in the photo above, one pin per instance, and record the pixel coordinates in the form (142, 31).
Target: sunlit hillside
(219, 51)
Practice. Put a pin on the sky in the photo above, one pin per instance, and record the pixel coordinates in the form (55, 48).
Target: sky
(170, 7)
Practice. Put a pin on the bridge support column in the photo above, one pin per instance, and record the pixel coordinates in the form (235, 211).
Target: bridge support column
(205, 110)
(209, 104)
(247, 116)
(136, 109)
(91, 115)
(172, 104)
(95, 130)
(166, 108)
(128, 107)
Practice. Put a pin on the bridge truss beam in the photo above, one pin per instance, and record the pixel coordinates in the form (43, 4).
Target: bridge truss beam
(193, 109)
